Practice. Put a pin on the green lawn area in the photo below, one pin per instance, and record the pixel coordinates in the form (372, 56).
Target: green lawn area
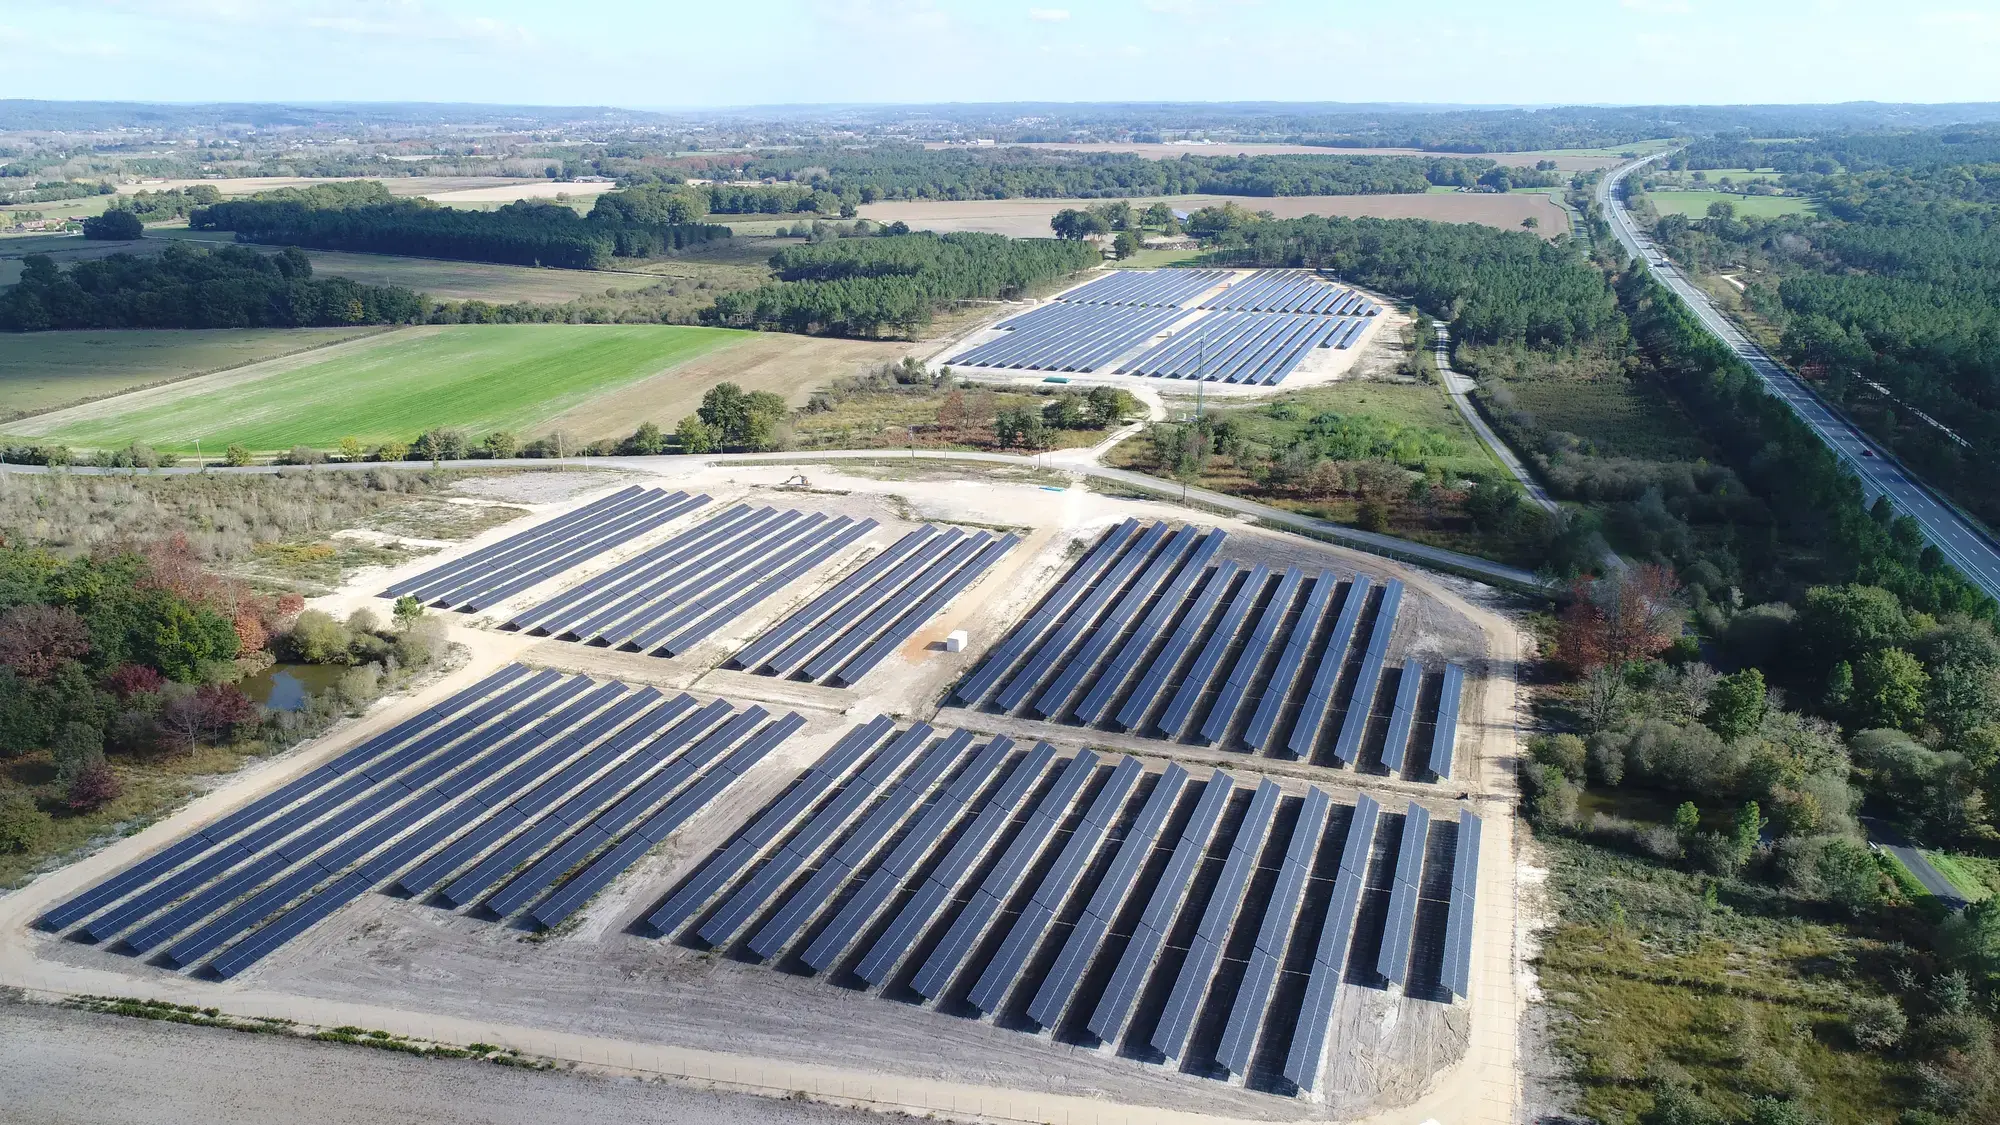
(1588, 394)
(1153, 259)
(1974, 876)
(1694, 204)
(44, 370)
(478, 377)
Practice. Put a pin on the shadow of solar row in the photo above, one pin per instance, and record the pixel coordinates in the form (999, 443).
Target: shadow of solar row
(1291, 291)
(1051, 892)
(497, 572)
(1069, 337)
(1146, 287)
(1239, 347)
(844, 633)
(520, 750)
(672, 596)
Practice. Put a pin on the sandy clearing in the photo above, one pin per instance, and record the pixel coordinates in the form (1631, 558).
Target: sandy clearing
(1029, 218)
(792, 366)
(257, 1079)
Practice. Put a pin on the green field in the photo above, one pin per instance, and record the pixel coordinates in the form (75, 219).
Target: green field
(45, 370)
(478, 377)
(1694, 204)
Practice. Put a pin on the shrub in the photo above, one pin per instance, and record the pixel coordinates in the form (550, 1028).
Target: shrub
(22, 825)
(236, 455)
(695, 435)
(1373, 516)
(76, 748)
(419, 641)
(316, 638)
(1552, 799)
(1565, 752)
(94, 788)
(500, 445)
(129, 680)
(1876, 1023)
(359, 685)
(302, 455)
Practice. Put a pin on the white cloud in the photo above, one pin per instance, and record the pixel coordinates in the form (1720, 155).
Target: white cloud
(1048, 15)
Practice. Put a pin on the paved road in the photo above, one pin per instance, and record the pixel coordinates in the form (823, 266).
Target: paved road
(1889, 840)
(1460, 387)
(1968, 547)
(1419, 553)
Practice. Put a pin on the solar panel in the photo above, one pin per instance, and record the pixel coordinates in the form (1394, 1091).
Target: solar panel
(1099, 699)
(505, 578)
(1055, 888)
(897, 605)
(996, 664)
(1107, 1022)
(972, 842)
(1042, 660)
(1319, 698)
(1205, 665)
(288, 926)
(804, 620)
(1444, 740)
(1059, 987)
(723, 866)
(1270, 706)
(861, 907)
(665, 563)
(1457, 974)
(1302, 1063)
(906, 626)
(899, 802)
(1262, 636)
(948, 960)
(1402, 716)
(836, 538)
(651, 628)
(1147, 693)
(812, 836)
(491, 557)
(1079, 664)
(1281, 911)
(1198, 970)
(571, 896)
(1393, 962)
(1361, 704)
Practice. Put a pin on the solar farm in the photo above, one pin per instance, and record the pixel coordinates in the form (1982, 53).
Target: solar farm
(1247, 328)
(1189, 814)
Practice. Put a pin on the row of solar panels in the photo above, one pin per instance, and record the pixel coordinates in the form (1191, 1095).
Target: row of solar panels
(494, 573)
(527, 791)
(1292, 291)
(1084, 896)
(1149, 632)
(1147, 287)
(1243, 347)
(842, 634)
(671, 596)
(1065, 337)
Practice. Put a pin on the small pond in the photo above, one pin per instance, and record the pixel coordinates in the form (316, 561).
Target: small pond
(284, 687)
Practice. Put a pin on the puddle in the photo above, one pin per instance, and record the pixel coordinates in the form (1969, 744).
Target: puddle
(284, 687)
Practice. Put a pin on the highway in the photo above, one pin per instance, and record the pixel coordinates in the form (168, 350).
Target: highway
(1965, 545)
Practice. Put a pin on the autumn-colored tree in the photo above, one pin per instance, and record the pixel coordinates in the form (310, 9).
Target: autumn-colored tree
(35, 640)
(128, 680)
(1630, 615)
(952, 416)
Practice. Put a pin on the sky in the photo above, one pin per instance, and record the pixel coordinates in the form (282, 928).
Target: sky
(687, 53)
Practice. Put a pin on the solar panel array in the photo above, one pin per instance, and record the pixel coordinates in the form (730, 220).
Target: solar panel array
(842, 634)
(497, 572)
(1292, 291)
(670, 597)
(1038, 890)
(1152, 634)
(1147, 287)
(526, 793)
(1248, 348)
(1068, 337)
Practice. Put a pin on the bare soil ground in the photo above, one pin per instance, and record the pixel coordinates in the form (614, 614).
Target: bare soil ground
(1029, 218)
(792, 366)
(256, 1079)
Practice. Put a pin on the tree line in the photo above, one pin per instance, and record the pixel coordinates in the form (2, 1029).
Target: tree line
(1492, 285)
(865, 286)
(190, 287)
(858, 176)
(362, 216)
